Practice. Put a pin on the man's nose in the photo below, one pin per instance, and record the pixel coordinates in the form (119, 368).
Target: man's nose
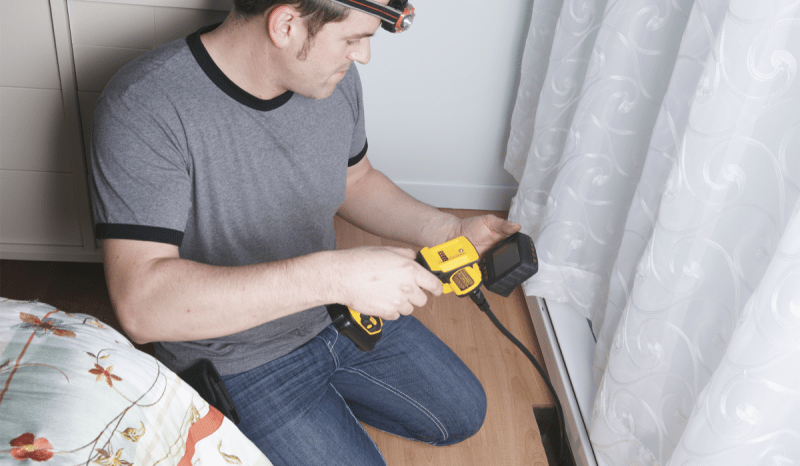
(361, 53)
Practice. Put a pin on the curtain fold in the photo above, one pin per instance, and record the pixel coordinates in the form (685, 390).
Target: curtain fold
(657, 147)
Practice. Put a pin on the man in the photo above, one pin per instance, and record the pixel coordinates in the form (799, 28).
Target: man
(219, 162)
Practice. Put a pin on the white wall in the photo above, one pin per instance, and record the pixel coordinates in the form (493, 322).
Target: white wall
(439, 99)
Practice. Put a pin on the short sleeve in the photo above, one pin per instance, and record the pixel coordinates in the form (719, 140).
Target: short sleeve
(141, 186)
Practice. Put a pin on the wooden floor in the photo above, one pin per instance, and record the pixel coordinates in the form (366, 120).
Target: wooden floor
(510, 435)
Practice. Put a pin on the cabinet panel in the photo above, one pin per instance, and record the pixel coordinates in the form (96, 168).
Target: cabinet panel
(198, 4)
(32, 132)
(112, 25)
(95, 66)
(87, 101)
(27, 46)
(175, 23)
(38, 208)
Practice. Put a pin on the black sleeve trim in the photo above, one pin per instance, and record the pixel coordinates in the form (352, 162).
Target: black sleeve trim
(357, 158)
(138, 232)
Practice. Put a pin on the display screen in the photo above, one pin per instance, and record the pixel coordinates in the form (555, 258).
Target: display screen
(505, 258)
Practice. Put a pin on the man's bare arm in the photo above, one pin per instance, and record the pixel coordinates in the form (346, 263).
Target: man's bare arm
(377, 205)
(158, 296)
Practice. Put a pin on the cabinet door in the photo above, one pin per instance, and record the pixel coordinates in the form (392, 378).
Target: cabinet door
(55, 58)
(39, 190)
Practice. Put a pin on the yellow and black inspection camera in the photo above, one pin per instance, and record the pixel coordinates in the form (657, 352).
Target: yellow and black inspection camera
(459, 267)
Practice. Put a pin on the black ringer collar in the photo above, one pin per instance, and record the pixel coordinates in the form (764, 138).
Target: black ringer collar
(223, 82)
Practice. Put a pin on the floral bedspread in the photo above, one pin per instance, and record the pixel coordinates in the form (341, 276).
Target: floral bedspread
(73, 391)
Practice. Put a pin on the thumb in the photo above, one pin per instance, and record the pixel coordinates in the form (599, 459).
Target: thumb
(509, 228)
(504, 227)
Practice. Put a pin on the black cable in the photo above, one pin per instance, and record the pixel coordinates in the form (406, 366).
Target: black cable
(480, 300)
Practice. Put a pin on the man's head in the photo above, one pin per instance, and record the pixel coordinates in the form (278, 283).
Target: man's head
(310, 43)
(310, 50)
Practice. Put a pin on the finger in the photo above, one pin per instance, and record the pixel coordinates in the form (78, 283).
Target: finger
(509, 228)
(504, 227)
(388, 315)
(406, 309)
(418, 297)
(429, 282)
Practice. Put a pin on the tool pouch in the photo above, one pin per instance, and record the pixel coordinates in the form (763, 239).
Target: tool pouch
(205, 379)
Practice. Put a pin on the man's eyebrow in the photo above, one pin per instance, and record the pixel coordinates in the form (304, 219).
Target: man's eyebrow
(360, 36)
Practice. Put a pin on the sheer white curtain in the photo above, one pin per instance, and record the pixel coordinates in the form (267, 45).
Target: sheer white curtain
(657, 146)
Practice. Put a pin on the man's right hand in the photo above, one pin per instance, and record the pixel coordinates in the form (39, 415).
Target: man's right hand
(385, 282)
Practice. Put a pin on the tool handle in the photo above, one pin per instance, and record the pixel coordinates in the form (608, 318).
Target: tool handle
(363, 330)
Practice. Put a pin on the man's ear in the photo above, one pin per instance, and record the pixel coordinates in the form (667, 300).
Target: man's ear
(283, 23)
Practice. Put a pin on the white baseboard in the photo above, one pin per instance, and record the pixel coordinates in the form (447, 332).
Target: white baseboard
(453, 196)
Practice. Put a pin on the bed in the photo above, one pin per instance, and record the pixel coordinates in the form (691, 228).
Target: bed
(75, 391)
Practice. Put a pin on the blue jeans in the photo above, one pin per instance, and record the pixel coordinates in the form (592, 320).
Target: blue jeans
(304, 408)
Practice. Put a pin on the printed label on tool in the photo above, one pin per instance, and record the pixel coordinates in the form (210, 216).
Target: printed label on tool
(462, 279)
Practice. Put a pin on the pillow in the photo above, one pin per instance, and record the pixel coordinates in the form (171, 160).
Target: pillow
(75, 391)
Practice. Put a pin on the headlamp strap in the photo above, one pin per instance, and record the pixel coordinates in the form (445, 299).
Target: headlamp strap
(393, 18)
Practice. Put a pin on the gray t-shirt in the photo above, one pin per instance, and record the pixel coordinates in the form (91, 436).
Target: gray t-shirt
(181, 155)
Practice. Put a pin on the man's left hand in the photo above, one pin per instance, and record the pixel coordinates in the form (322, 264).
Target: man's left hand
(484, 231)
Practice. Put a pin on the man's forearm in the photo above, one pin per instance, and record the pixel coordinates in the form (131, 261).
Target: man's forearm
(173, 299)
(378, 206)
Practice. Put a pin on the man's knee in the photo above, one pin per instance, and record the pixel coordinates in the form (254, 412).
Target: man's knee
(467, 418)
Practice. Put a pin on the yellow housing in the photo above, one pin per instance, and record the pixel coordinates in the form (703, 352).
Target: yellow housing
(456, 264)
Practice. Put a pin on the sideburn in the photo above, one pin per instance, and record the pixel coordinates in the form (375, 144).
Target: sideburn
(303, 53)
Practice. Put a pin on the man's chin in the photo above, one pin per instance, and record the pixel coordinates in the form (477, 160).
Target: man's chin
(321, 93)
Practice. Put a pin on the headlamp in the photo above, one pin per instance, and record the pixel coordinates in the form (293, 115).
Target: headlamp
(397, 16)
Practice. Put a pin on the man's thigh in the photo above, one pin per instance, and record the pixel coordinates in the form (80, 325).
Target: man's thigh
(291, 411)
(411, 385)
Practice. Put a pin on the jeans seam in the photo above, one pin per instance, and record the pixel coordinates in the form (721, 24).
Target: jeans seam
(330, 346)
(334, 353)
(410, 400)
(359, 424)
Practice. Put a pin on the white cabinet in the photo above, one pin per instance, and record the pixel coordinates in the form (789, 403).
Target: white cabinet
(44, 210)
(55, 58)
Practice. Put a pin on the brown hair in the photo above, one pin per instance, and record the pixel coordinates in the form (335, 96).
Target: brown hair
(317, 12)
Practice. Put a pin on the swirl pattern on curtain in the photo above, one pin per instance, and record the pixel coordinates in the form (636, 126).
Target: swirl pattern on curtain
(657, 146)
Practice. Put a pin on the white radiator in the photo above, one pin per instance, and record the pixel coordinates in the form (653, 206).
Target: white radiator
(567, 345)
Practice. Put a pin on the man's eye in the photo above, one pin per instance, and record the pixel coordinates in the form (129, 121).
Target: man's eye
(353, 42)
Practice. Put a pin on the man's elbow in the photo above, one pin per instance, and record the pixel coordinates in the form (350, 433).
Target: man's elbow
(133, 323)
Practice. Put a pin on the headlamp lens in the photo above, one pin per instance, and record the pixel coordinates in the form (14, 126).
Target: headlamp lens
(407, 21)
